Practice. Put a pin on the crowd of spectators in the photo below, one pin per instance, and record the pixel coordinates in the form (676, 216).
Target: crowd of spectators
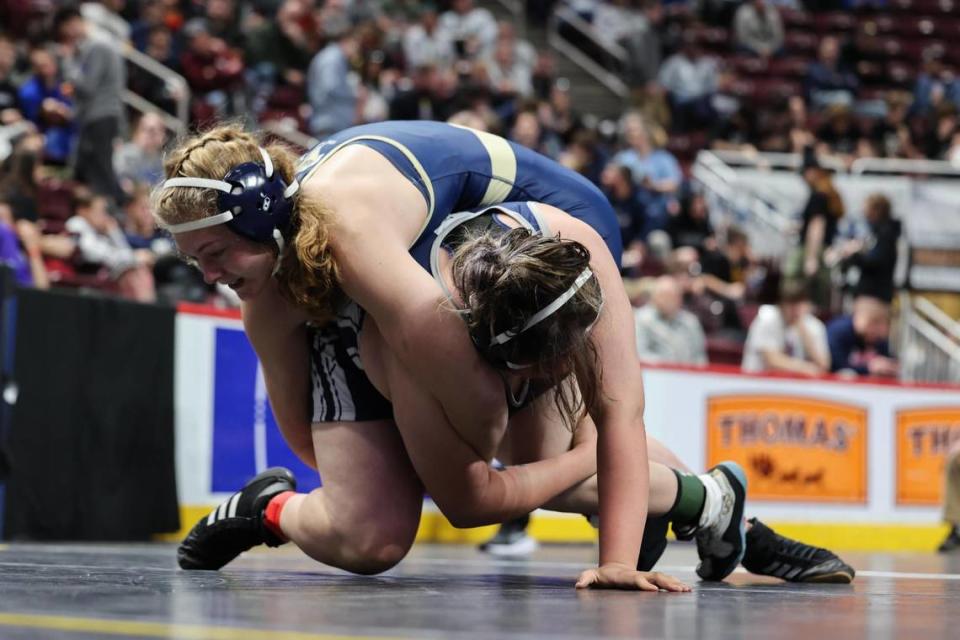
(323, 65)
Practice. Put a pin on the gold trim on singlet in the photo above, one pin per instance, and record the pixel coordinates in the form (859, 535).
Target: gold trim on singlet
(427, 183)
(503, 166)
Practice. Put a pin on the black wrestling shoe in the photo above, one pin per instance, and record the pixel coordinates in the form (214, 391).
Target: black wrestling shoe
(770, 554)
(236, 525)
(951, 542)
(511, 540)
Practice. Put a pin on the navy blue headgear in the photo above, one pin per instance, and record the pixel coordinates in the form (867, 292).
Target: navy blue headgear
(254, 201)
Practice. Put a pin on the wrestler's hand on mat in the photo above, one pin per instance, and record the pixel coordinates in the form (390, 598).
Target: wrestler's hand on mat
(621, 576)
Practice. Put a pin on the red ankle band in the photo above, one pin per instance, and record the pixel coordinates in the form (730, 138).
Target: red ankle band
(271, 515)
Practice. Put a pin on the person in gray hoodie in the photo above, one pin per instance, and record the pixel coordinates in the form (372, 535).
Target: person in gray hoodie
(97, 75)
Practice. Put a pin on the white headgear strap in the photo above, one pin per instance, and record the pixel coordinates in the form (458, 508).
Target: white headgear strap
(550, 309)
(226, 216)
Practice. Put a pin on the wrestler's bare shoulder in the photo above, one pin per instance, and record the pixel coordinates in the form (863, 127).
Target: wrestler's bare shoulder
(362, 187)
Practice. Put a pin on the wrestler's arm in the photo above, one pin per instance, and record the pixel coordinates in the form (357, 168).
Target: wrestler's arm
(469, 492)
(277, 331)
(370, 244)
(622, 462)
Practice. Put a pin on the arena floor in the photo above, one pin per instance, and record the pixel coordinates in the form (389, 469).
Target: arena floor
(136, 591)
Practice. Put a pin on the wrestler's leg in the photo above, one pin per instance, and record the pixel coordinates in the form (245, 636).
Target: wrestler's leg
(365, 517)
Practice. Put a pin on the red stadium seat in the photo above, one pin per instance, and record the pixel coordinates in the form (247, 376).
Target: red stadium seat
(794, 20)
(931, 6)
(287, 97)
(801, 43)
(834, 22)
(749, 65)
(724, 351)
(55, 200)
(789, 67)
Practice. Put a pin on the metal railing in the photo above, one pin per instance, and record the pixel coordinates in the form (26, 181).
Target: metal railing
(903, 165)
(771, 231)
(929, 342)
(861, 166)
(564, 17)
(179, 89)
(176, 83)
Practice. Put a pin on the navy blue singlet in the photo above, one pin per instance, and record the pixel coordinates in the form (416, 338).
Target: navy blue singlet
(460, 169)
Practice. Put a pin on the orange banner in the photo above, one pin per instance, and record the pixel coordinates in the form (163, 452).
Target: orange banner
(923, 438)
(792, 448)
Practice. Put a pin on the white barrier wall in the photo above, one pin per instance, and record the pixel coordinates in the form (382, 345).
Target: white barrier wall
(814, 450)
(821, 450)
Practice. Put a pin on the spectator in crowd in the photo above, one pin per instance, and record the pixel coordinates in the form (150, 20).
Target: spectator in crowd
(951, 499)
(139, 225)
(874, 258)
(616, 181)
(279, 51)
(690, 79)
(691, 226)
(953, 153)
(787, 336)
(9, 111)
(223, 21)
(583, 153)
(716, 312)
(859, 341)
(20, 250)
(141, 159)
(471, 29)
(44, 102)
(102, 244)
(98, 78)
(213, 70)
(151, 17)
(509, 77)
(617, 20)
(544, 75)
(20, 184)
(105, 15)
(332, 93)
(424, 96)
(939, 137)
(655, 171)
(528, 132)
(374, 84)
(758, 28)
(666, 332)
(935, 86)
(425, 43)
(839, 134)
(159, 91)
(524, 54)
(728, 269)
(823, 210)
(890, 134)
(829, 81)
(644, 46)
(557, 113)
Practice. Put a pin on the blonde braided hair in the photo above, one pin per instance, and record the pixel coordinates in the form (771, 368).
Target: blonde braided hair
(308, 276)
